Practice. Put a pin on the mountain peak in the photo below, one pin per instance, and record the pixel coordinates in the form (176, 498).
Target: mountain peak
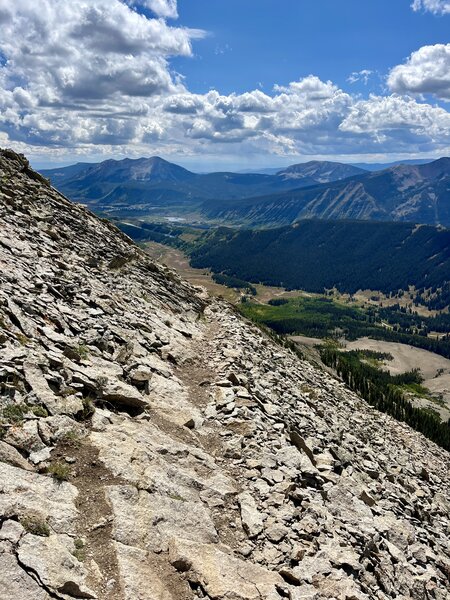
(321, 171)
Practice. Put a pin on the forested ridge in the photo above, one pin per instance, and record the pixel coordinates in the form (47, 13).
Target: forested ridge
(315, 255)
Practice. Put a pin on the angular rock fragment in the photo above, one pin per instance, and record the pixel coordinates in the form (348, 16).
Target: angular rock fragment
(252, 519)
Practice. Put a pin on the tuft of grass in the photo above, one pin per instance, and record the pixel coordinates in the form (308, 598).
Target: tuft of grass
(23, 339)
(71, 438)
(80, 550)
(59, 471)
(69, 391)
(35, 525)
(312, 393)
(120, 261)
(82, 350)
(177, 497)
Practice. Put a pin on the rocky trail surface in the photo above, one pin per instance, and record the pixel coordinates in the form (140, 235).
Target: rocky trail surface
(155, 446)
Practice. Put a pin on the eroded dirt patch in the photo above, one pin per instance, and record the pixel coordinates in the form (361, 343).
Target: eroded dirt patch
(91, 477)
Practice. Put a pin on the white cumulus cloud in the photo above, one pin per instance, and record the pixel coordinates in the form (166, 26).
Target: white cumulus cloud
(437, 7)
(162, 8)
(91, 78)
(427, 71)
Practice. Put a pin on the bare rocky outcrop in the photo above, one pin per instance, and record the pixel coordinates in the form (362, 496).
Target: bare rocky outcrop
(155, 446)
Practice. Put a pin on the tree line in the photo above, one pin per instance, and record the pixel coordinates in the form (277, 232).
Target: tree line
(380, 390)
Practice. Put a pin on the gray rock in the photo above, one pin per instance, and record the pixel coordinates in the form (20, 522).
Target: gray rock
(11, 531)
(252, 519)
(123, 395)
(25, 437)
(275, 533)
(15, 582)
(221, 574)
(51, 558)
(11, 456)
(40, 456)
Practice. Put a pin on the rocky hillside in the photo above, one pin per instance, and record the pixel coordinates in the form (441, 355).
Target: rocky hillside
(155, 446)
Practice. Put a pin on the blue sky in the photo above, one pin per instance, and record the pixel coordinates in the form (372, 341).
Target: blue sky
(266, 41)
(225, 84)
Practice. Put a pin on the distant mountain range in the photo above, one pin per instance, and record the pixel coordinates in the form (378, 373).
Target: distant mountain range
(319, 172)
(413, 193)
(381, 166)
(148, 183)
(364, 166)
(316, 189)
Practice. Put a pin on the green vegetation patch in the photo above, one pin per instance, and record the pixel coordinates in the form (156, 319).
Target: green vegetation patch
(35, 525)
(59, 471)
(323, 317)
(314, 317)
(14, 413)
(314, 255)
(80, 550)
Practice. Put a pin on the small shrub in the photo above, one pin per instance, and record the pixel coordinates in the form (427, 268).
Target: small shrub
(39, 411)
(35, 525)
(59, 471)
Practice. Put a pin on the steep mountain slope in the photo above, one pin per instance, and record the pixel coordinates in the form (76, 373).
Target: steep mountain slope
(146, 183)
(320, 171)
(155, 446)
(414, 193)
